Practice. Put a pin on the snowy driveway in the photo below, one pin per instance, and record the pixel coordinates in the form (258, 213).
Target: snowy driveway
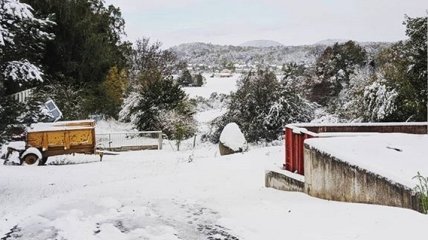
(185, 195)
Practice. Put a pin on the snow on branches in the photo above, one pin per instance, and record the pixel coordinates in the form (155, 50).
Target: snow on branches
(379, 100)
(22, 37)
(12, 12)
(23, 71)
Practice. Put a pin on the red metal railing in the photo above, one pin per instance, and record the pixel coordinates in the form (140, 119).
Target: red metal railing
(294, 140)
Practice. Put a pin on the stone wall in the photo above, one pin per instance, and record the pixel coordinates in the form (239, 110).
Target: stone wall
(330, 178)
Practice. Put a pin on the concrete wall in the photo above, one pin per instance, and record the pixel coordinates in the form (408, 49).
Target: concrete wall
(282, 181)
(330, 178)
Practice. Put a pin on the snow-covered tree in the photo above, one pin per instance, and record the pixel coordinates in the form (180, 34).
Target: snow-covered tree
(185, 79)
(333, 69)
(379, 100)
(22, 39)
(262, 106)
(154, 101)
(403, 68)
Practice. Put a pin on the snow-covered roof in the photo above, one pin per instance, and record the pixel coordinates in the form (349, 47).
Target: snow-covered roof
(396, 156)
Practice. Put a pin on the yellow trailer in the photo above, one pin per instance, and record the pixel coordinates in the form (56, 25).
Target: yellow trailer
(44, 140)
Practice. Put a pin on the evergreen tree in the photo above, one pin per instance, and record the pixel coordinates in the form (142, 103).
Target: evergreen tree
(23, 36)
(403, 70)
(185, 79)
(22, 41)
(199, 80)
(333, 69)
(87, 45)
(88, 39)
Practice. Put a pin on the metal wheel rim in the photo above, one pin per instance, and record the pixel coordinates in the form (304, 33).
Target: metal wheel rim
(30, 159)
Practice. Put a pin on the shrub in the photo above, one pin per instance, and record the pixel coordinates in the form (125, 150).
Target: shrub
(422, 190)
(262, 106)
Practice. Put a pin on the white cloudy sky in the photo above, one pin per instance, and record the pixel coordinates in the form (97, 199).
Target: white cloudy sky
(291, 22)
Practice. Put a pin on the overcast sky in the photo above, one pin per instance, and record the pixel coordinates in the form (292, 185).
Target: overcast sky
(291, 22)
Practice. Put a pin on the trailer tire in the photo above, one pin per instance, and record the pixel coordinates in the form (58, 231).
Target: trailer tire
(30, 159)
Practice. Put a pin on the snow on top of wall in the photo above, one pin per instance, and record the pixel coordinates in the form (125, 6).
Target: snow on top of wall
(396, 156)
(357, 124)
(232, 137)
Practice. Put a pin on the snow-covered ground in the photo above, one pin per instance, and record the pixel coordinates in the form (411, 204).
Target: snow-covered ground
(194, 194)
(191, 194)
(396, 156)
(214, 84)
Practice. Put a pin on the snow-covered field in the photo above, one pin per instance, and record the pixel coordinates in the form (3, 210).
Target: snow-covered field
(214, 84)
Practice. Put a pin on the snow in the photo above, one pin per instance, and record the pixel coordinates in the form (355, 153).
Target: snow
(34, 151)
(261, 44)
(112, 126)
(356, 124)
(214, 84)
(63, 125)
(396, 156)
(161, 195)
(18, 145)
(232, 137)
(23, 70)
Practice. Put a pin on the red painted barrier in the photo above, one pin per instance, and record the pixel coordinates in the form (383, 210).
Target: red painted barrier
(288, 165)
(294, 150)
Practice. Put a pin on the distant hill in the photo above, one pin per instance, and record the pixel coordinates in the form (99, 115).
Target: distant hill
(329, 42)
(216, 55)
(261, 44)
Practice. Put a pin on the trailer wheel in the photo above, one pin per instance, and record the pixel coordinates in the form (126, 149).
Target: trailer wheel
(30, 159)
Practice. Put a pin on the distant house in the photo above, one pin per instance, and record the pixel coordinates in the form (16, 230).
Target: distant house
(225, 73)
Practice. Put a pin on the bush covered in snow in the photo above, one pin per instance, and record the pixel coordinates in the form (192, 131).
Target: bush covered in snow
(262, 106)
(379, 101)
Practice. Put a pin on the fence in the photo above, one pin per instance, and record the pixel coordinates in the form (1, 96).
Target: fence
(130, 141)
(23, 95)
(296, 134)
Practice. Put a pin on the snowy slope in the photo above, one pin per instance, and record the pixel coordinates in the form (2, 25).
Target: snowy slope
(216, 55)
